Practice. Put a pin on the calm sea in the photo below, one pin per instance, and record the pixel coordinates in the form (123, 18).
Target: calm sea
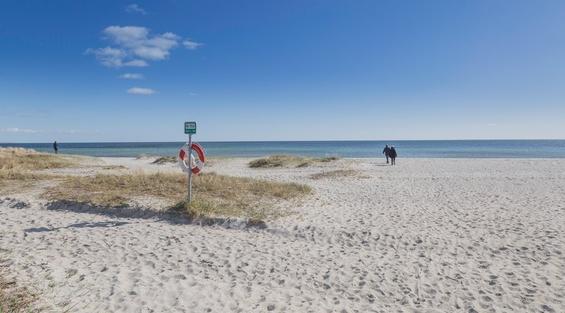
(355, 149)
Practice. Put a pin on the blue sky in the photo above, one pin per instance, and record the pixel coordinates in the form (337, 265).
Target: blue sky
(281, 70)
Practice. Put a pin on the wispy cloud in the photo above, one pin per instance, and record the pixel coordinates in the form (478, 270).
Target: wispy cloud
(108, 56)
(141, 91)
(135, 8)
(192, 45)
(136, 63)
(131, 76)
(136, 46)
(18, 130)
(136, 40)
(113, 57)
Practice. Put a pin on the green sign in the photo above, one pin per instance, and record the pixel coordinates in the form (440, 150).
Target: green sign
(190, 128)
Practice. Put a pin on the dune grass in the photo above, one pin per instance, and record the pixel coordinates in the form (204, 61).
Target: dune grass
(13, 180)
(334, 174)
(214, 195)
(288, 161)
(165, 159)
(18, 166)
(18, 159)
(114, 167)
(14, 299)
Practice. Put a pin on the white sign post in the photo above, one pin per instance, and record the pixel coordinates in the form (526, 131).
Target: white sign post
(189, 129)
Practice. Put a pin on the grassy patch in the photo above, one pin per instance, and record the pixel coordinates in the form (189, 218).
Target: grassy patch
(18, 159)
(14, 299)
(214, 195)
(165, 159)
(13, 180)
(17, 166)
(114, 167)
(288, 161)
(334, 174)
(326, 159)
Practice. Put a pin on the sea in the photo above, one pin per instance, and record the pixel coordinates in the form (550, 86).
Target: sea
(346, 149)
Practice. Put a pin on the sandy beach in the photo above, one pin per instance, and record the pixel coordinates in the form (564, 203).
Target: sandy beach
(428, 235)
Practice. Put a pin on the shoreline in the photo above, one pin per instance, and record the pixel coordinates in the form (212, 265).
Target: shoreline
(353, 149)
(315, 156)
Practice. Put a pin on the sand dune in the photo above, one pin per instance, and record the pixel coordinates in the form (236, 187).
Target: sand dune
(429, 235)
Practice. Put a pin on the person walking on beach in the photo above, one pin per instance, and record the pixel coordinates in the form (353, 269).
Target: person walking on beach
(392, 155)
(56, 147)
(386, 152)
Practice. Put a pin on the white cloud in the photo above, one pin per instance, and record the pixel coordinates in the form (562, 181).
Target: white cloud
(136, 63)
(135, 8)
(109, 56)
(126, 35)
(141, 91)
(138, 42)
(191, 45)
(18, 130)
(131, 76)
(135, 46)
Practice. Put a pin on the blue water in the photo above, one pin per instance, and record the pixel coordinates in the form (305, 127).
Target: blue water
(357, 149)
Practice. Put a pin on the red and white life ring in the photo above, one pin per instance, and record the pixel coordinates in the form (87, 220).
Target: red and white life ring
(197, 163)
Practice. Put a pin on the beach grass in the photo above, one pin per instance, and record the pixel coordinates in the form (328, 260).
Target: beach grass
(114, 167)
(19, 159)
(274, 161)
(14, 299)
(18, 166)
(13, 180)
(334, 174)
(165, 159)
(214, 195)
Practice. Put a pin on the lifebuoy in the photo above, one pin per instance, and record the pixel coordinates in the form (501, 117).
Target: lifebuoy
(197, 163)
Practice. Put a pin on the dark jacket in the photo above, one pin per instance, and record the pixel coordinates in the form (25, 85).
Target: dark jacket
(392, 153)
(386, 151)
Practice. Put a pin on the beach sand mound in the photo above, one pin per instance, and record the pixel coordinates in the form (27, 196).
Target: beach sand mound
(288, 161)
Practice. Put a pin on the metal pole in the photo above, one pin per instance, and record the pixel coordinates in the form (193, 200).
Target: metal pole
(189, 168)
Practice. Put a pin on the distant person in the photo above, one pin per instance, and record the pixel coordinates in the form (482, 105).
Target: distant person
(55, 147)
(386, 152)
(393, 155)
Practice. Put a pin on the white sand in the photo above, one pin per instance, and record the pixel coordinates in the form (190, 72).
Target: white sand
(429, 235)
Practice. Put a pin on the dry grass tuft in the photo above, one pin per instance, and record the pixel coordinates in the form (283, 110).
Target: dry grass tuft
(12, 180)
(114, 167)
(17, 166)
(334, 174)
(215, 195)
(165, 159)
(276, 161)
(327, 159)
(19, 159)
(288, 161)
(14, 299)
